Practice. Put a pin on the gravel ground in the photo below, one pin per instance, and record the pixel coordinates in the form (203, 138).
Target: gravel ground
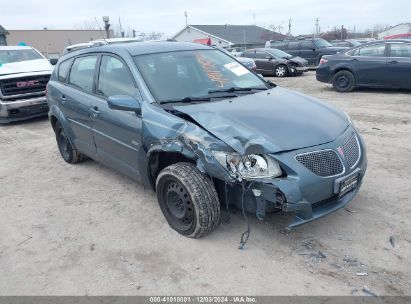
(84, 229)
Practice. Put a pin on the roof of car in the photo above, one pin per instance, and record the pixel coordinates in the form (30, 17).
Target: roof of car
(141, 48)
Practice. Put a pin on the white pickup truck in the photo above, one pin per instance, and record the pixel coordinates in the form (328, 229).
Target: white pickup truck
(24, 74)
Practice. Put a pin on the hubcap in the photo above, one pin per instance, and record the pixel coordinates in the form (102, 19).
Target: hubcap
(179, 205)
(280, 71)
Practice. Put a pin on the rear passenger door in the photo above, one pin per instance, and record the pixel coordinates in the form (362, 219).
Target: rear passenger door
(308, 52)
(117, 134)
(74, 99)
(399, 65)
(293, 48)
(370, 64)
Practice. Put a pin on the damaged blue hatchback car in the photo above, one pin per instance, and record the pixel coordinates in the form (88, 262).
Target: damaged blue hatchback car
(204, 132)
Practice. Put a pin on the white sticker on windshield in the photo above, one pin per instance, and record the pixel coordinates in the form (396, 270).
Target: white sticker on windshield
(237, 68)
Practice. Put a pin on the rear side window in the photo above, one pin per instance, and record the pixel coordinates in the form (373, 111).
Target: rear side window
(261, 55)
(82, 73)
(114, 78)
(305, 45)
(249, 54)
(400, 50)
(293, 45)
(374, 50)
(64, 68)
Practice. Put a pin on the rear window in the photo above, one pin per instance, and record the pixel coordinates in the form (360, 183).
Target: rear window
(64, 68)
(82, 73)
(400, 50)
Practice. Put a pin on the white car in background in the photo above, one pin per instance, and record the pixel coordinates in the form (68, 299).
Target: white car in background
(24, 74)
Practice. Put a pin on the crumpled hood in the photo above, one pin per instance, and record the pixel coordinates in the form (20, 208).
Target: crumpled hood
(37, 65)
(269, 121)
(299, 60)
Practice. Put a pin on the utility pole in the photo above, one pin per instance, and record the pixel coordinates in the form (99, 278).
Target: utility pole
(106, 20)
(289, 27)
(317, 29)
(186, 15)
(134, 33)
(342, 31)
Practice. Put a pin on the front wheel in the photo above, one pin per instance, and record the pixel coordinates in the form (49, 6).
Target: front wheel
(281, 70)
(343, 81)
(188, 200)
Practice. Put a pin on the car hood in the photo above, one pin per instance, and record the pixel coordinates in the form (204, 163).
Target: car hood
(37, 65)
(299, 60)
(268, 122)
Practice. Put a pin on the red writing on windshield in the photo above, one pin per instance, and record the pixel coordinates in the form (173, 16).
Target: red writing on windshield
(211, 71)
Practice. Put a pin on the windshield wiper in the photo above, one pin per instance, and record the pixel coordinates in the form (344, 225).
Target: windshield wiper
(196, 99)
(236, 89)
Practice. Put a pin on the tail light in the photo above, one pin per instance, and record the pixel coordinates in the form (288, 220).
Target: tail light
(323, 61)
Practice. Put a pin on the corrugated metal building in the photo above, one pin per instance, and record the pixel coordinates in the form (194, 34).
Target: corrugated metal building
(52, 42)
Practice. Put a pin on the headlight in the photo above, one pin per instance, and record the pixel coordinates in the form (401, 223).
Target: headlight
(248, 166)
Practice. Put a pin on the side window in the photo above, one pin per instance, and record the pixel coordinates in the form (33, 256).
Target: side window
(400, 50)
(82, 73)
(294, 45)
(307, 45)
(64, 68)
(249, 54)
(114, 78)
(261, 55)
(375, 50)
(354, 52)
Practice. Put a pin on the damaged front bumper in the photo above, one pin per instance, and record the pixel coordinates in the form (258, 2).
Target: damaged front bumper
(303, 193)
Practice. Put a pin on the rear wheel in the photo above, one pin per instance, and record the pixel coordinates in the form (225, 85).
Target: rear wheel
(188, 200)
(343, 81)
(281, 70)
(66, 149)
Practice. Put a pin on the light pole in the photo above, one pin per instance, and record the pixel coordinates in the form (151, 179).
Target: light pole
(106, 20)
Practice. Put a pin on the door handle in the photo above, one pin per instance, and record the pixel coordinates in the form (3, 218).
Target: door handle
(354, 60)
(393, 62)
(95, 111)
(63, 99)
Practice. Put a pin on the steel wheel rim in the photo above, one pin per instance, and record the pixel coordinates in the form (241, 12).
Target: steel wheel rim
(178, 205)
(343, 82)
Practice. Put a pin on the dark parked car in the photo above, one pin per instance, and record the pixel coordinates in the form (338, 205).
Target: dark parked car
(384, 63)
(276, 62)
(310, 49)
(204, 132)
(346, 43)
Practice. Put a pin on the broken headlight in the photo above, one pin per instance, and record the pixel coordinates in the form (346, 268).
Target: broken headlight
(248, 166)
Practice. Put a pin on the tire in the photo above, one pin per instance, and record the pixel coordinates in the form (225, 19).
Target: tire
(188, 200)
(281, 70)
(293, 70)
(343, 81)
(68, 153)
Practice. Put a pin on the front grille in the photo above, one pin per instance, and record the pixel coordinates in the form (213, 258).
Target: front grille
(23, 85)
(323, 163)
(351, 150)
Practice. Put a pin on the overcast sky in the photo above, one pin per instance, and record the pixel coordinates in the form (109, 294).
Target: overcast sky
(168, 15)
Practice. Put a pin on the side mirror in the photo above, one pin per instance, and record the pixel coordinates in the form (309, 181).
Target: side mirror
(53, 61)
(124, 103)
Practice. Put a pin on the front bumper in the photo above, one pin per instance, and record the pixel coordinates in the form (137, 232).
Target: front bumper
(21, 109)
(302, 68)
(303, 193)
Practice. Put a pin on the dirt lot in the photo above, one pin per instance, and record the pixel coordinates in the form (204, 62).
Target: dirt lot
(84, 229)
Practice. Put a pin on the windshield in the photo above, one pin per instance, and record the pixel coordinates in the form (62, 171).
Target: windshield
(321, 43)
(197, 73)
(9, 56)
(279, 53)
